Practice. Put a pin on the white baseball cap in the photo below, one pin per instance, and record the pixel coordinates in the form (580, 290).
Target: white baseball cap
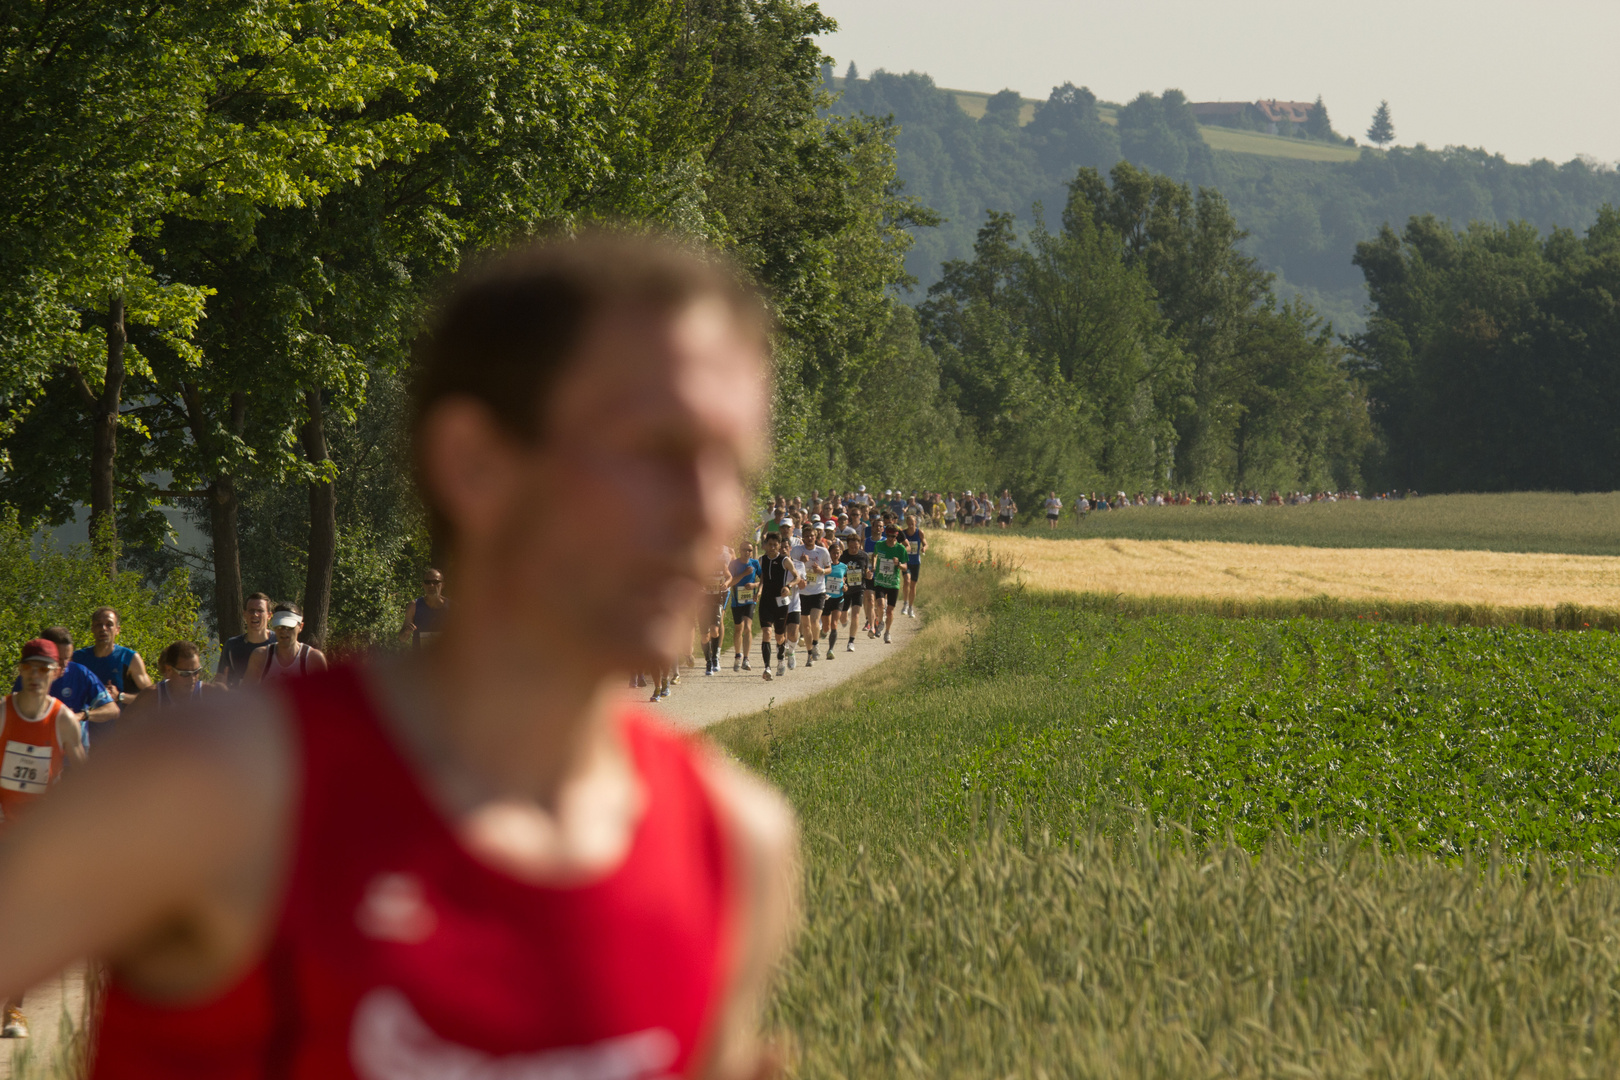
(286, 618)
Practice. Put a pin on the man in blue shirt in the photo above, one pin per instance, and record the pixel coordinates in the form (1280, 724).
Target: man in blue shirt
(77, 687)
(118, 667)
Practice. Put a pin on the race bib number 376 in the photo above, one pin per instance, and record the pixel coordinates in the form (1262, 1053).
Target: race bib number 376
(26, 768)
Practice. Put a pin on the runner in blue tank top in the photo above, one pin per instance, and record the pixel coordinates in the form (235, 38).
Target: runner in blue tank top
(424, 616)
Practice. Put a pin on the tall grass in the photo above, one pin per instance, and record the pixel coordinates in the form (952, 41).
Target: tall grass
(1139, 956)
(1586, 524)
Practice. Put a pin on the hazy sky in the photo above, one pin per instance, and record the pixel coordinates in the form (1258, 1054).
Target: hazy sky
(1526, 79)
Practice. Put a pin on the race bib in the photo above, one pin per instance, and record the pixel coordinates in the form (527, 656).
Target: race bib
(887, 566)
(26, 768)
(783, 601)
(747, 593)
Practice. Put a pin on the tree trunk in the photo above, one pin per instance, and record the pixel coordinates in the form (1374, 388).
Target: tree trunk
(104, 435)
(222, 507)
(322, 527)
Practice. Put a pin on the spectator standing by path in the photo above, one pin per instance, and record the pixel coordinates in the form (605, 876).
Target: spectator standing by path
(119, 667)
(37, 735)
(235, 654)
(424, 616)
(291, 657)
(76, 686)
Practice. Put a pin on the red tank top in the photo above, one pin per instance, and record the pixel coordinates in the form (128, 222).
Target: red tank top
(30, 756)
(399, 956)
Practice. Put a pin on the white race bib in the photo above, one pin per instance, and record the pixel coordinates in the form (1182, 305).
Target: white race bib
(783, 601)
(26, 768)
(887, 566)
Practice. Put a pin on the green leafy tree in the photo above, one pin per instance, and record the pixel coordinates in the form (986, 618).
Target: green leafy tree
(1382, 129)
(1317, 123)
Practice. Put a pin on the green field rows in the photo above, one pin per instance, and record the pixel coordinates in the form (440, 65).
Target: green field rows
(1226, 847)
(1522, 521)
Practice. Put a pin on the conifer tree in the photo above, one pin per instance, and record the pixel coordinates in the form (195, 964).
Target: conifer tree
(1382, 130)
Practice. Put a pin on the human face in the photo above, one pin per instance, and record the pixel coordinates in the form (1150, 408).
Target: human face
(432, 584)
(256, 614)
(104, 627)
(185, 676)
(657, 410)
(37, 675)
(287, 635)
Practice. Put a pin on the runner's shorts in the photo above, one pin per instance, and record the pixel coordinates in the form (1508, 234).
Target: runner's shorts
(1005, 519)
(774, 617)
(811, 601)
(883, 592)
(913, 569)
(852, 597)
(742, 613)
(714, 612)
(833, 604)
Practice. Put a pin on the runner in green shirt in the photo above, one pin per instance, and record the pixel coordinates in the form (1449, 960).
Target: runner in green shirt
(888, 562)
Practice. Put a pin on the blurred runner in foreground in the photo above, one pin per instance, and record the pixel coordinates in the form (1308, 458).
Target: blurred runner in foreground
(426, 869)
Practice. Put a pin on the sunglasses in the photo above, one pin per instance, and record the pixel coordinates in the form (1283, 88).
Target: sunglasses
(188, 673)
(433, 581)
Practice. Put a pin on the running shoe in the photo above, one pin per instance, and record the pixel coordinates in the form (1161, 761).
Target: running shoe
(746, 665)
(16, 1025)
(736, 662)
(674, 679)
(665, 691)
(708, 670)
(850, 647)
(815, 651)
(654, 699)
(767, 674)
(885, 637)
(911, 613)
(790, 662)
(832, 653)
(780, 670)
(810, 661)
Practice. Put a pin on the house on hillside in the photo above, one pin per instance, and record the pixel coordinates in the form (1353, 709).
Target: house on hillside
(1270, 116)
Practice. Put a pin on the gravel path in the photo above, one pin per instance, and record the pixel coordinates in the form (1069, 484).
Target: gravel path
(50, 1007)
(699, 700)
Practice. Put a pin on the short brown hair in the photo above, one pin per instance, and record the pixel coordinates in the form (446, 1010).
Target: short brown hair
(178, 651)
(505, 331)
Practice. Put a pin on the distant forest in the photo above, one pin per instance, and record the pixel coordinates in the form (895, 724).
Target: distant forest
(1304, 218)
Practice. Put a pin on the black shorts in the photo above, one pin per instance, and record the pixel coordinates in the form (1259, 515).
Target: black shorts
(1005, 519)
(834, 604)
(1051, 517)
(793, 618)
(884, 592)
(774, 617)
(714, 612)
(852, 597)
(913, 569)
(811, 601)
(742, 613)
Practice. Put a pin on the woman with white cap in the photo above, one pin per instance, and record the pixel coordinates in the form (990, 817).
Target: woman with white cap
(290, 657)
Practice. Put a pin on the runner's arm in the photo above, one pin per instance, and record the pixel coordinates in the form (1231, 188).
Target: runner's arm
(104, 708)
(316, 660)
(408, 623)
(70, 734)
(136, 674)
(765, 842)
(256, 664)
(171, 838)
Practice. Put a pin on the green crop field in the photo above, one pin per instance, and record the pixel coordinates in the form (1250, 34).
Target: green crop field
(1523, 521)
(1236, 141)
(1222, 847)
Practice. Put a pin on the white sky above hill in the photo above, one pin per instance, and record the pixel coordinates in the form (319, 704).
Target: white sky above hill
(1526, 78)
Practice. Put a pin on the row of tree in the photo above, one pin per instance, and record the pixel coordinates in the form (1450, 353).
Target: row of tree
(1304, 217)
(223, 221)
(1493, 355)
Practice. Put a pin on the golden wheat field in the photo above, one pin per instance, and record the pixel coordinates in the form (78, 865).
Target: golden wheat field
(1265, 571)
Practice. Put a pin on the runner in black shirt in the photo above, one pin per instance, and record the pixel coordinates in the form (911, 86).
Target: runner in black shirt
(235, 654)
(777, 578)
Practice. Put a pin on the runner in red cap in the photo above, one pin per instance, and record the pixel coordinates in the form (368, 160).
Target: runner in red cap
(425, 869)
(37, 734)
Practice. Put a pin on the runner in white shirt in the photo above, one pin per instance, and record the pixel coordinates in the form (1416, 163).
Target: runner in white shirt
(1054, 509)
(812, 560)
